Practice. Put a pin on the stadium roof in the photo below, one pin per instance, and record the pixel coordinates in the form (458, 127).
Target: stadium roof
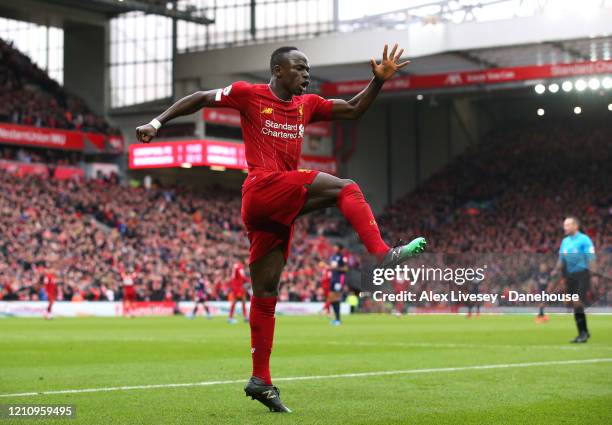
(115, 7)
(558, 52)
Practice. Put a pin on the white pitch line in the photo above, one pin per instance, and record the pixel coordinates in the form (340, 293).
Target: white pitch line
(461, 345)
(314, 377)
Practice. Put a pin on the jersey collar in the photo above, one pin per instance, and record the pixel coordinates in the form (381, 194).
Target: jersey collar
(273, 94)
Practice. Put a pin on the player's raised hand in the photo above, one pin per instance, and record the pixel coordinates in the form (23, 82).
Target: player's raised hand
(145, 133)
(389, 64)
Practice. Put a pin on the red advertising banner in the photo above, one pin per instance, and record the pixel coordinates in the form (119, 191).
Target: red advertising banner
(488, 76)
(115, 143)
(327, 165)
(319, 129)
(194, 152)
(206, 152)
(67, 173)
(231, 117)
(59, 172)
(96, 139)
(43, 137)
(22, 169)
(152, 308)
(225, 116)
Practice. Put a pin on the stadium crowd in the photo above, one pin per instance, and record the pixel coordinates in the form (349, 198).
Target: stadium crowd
(29, 97)
(28, 155)
(88, 234)
(500, 203)
(503, 202)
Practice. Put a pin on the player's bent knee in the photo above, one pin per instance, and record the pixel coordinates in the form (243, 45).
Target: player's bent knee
(346, 182)
(266, 273)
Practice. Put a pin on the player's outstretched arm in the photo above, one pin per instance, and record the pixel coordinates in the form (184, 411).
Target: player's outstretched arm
(185, 106)
(354, 108)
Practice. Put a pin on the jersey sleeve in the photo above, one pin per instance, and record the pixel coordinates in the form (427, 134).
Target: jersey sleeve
(321, 108)
(233, 96)
(588, 249)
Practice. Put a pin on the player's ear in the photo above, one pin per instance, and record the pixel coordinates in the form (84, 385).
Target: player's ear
(277, 71)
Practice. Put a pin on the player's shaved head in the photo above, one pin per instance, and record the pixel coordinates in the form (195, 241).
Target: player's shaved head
(280, 55)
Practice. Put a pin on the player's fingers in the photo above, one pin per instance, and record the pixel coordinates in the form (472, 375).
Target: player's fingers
(403, 64)
(399, 55)
(393, 52)
(373, 63)
(385, 52)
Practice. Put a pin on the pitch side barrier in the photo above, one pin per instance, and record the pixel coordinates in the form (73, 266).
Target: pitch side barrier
(144, 308)
(10, 309)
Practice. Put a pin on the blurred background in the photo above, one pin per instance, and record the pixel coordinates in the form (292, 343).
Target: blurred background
(499, 128)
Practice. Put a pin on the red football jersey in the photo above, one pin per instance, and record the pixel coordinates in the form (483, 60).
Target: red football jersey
(273, 129)
(50, 286)
(326, 279)
(238, 278)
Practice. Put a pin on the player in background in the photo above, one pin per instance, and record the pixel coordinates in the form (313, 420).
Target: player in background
(273, 117)
(542, 281)
(338, 267)
(51, 291)
(129, 292)
(239, 280)
(577, 261)
(325, 285)
(399, 285)
(200, 298)
(474, 288)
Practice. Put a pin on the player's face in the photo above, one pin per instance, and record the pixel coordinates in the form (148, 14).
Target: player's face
(294, 73)
(570, 226)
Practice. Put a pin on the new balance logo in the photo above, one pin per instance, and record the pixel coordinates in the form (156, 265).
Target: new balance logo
(269, 394)
(267, 111)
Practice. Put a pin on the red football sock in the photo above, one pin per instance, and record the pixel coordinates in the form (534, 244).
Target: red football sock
(232, 308)
(262, 334)
(326, 306)
(356, 210)
(244, 313)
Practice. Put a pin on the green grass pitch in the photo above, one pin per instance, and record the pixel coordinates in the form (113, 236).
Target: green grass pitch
(96, 353)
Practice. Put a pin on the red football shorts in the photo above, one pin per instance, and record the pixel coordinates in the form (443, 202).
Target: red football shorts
(270, 203)
(128, 293)
(51, 293)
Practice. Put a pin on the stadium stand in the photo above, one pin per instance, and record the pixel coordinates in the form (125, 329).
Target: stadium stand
(89, 232)
(501, 196)
(490, 200)
(29, 97)
(508, 196)
(498, 197)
